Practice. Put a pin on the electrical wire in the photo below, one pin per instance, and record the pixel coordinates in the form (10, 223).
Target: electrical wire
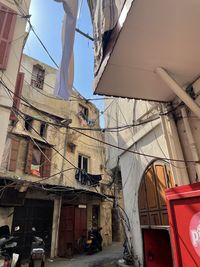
(57, 151)
(49, 159)
(106, 143)
(39, 133)
(54, 97)
(79, 128)
(134, 152)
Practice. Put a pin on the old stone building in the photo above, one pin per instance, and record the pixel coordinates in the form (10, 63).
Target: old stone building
(55, 176)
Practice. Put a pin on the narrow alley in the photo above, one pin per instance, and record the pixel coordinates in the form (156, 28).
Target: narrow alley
(99, 133)
(106, 258)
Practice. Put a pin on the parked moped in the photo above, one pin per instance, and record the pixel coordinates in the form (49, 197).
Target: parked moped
(94, 241)
(37, 255)
(8, 245)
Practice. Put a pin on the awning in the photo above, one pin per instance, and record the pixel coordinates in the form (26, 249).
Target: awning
(155, 34)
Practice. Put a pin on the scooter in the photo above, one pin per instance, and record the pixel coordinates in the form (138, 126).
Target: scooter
(37, 255)
(94, 241)
(8, 244)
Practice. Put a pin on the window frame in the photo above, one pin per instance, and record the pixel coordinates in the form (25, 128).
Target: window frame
(84, 110)
(37, 80)
(80, 166)
(45, 169)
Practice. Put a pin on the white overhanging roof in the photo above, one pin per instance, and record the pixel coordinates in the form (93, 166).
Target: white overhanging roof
(156, 33)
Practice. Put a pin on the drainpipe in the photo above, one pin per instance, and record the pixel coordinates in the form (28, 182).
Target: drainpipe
(180, 92)
(191, 141)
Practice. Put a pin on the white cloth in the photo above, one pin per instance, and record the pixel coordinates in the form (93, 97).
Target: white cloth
(105, 14)
(65, 75)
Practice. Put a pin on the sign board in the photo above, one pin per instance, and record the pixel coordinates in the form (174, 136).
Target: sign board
(183, 205)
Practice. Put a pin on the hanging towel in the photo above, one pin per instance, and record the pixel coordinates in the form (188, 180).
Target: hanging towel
(65, 75)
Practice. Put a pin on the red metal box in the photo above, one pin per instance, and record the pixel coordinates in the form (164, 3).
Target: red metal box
(183, 204)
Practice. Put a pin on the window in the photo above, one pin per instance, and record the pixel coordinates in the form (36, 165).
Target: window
(83, 163)
(38, 162)
(28, 123)
(7, 26)
(38, 74)
(84, 112)
(43, 129)
(83, 115)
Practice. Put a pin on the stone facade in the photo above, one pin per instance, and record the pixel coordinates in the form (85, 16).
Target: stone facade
(68, 148)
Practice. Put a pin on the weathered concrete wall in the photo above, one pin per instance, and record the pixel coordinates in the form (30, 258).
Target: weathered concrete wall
(52, 110)
(106, 222)
(133, 167)
(105, 219)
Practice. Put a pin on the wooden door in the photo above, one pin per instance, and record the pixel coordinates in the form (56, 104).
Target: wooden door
(66, 231)
(80, 226)
(73, 226)
(152, 200)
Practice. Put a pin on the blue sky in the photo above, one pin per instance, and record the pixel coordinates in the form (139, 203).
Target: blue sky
(47, 16)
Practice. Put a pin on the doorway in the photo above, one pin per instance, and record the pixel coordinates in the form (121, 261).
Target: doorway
(34, 213)
(73, 226)
(153, 215)
(157, 248)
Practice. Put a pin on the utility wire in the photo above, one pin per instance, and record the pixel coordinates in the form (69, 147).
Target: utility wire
(39, 133)
(106, 143)
(77, 128)
(133, 152)
(49, 159)
(56, 150)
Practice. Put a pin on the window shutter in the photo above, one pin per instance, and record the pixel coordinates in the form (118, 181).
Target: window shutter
(7, 26)
(29, 158)
(46, 167)
(18, 92)
(14, 154)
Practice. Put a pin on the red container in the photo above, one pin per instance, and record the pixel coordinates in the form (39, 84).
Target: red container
(183, 204)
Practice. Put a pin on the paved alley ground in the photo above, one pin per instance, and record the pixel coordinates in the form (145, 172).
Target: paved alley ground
(107, 258)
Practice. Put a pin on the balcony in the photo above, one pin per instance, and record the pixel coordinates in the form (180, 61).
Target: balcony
(148, 35)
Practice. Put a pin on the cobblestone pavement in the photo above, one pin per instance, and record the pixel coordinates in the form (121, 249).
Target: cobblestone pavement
(106, 258)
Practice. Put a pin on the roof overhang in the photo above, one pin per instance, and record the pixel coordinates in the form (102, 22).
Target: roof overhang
(151, 34)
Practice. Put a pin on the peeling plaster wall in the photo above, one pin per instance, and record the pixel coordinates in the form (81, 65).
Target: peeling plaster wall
(105, 220)
(53, 110)
(132, 168)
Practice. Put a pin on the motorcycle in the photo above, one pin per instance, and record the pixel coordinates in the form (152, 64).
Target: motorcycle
(37, 255)
(94, 241)
(8, 245)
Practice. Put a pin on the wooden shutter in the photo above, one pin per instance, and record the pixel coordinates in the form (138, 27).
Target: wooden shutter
(18, 93)
(7, 26)
(161, 184)
(14, 154)
(142, 201)
(29, 158)
(151, 189)
(46, 167)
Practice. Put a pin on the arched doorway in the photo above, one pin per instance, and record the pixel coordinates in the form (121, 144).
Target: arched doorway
(153, 215)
